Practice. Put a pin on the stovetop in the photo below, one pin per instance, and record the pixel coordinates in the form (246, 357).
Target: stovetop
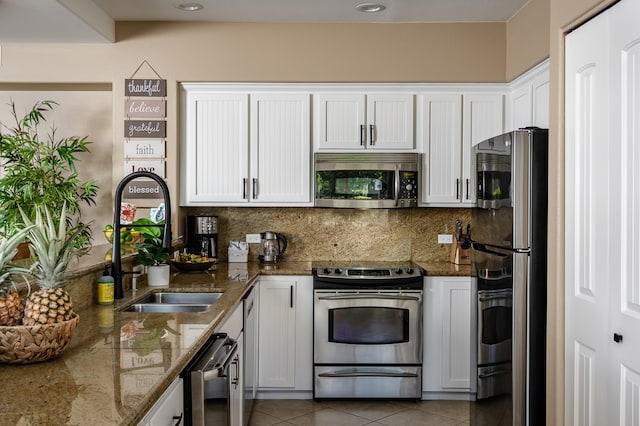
(358, 270)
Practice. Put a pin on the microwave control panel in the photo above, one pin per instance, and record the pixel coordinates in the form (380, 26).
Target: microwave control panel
(408, 188)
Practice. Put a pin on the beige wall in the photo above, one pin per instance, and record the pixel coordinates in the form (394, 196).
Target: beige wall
(527, 38)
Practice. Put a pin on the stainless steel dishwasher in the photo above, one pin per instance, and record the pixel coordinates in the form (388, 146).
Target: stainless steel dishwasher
(208, 380)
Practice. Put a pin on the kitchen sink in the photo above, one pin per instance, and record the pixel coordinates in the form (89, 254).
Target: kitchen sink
(173, 302)
(165, 307)
(164, 297)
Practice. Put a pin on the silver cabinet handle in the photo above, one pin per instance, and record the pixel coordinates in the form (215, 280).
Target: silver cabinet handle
(255, 188)
(244, 188)
(372, 138)
(457, 189)
(467, 189)
(363, 135)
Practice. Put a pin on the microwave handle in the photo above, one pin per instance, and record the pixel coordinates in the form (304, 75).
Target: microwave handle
(397, 184)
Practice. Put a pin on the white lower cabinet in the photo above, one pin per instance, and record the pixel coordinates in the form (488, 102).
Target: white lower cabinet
(169, 409)
(285, 334)
(449, 337)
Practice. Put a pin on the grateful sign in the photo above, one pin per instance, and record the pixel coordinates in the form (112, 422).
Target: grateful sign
(145, 129)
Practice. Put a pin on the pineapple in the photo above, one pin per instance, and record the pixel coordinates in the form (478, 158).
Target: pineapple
(51, 252)
(11, 308)
(11, 303)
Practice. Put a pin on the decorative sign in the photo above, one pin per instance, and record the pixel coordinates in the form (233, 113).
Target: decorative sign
(145, 129)
(143, 189)
(145, 87)
(147, 148)
(153, 166)
(145, 108)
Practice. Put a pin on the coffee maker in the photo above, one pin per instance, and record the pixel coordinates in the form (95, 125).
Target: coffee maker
(202, 235)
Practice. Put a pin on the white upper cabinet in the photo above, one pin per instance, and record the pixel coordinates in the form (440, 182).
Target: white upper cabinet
(357, 121)
(449, 124)
(240, 148)
(440, 136)
(528, 100)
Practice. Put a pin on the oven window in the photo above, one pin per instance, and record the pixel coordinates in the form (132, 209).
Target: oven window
(496, 325)
(355, 185)
(368, 325)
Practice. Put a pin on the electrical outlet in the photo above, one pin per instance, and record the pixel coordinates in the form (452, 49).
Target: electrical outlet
(445, 239)
(253, 238)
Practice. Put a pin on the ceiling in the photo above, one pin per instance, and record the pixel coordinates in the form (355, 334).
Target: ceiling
(92, 21)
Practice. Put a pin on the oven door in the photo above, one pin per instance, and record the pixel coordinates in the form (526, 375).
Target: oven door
(494, 326)
(367, 327)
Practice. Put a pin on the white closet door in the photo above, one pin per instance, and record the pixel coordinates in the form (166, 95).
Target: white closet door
(587, 197)
(624, 206)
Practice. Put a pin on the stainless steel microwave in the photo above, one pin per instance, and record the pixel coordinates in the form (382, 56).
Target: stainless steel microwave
(366, 180)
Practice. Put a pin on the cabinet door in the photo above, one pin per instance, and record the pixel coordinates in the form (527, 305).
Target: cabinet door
(285, 337)
(168, 409)
(449, 318)
(482, 118)
(236, 397)
(440, 132)
(215, 152)
(280, 148)
(277, 334)
(341, 121)
(390, 121)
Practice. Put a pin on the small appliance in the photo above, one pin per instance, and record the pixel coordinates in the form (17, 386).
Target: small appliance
(272, 246)
(367, 180)
(202, 235)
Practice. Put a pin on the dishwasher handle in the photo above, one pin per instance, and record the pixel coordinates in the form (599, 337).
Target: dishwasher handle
(215, 368)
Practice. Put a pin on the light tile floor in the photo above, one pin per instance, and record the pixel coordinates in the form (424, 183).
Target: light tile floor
(493, 412)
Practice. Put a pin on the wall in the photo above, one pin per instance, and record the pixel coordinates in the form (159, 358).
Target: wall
(527, 38)
(343, 234)
(253, 53)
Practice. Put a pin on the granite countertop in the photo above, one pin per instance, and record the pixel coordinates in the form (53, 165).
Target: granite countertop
(119, 363)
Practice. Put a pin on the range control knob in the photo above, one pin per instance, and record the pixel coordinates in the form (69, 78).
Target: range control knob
(338, 271)
(410, 271)
(398, 271)
(327, 271)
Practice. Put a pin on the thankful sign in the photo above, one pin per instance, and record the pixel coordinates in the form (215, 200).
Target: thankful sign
(145, 87)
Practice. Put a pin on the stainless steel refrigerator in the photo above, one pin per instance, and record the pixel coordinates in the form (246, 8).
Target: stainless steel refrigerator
(509, 240)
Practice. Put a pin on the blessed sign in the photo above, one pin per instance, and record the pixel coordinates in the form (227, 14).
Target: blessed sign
(143, 189)
(145, 108)
(145, 129)
(145, 87)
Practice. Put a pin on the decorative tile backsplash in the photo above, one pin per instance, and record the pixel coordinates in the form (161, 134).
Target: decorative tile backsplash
(342, 234)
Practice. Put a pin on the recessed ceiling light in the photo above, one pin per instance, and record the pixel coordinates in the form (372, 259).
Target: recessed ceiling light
(189, 7)
(370, 7)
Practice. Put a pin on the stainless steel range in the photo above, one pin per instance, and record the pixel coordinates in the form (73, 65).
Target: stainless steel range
(368, 330)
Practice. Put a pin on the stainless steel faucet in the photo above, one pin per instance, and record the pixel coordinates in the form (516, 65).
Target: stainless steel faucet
(116, 259)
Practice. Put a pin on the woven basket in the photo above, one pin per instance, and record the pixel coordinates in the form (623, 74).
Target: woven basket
(24, 344)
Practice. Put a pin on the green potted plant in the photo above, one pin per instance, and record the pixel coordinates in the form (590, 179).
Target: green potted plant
(151, 253)
(41, 170)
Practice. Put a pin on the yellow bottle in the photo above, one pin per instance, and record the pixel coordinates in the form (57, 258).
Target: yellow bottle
(105, 288)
